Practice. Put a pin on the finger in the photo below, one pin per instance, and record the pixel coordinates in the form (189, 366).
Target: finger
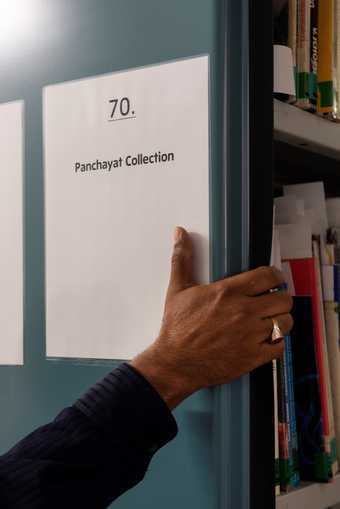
(182, 262)
(285, 322)
(272, 304)
(254, 282)
(271, 351)
(263, 327)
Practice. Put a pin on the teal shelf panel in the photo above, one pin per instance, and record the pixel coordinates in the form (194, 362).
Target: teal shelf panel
(73, 39)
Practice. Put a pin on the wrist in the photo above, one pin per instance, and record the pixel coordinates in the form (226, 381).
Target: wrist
(164, 376)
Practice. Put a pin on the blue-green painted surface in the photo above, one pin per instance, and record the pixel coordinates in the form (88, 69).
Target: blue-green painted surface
(74, 39)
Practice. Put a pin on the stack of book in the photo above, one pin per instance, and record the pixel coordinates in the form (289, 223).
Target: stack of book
(311, 28)
(306, 246)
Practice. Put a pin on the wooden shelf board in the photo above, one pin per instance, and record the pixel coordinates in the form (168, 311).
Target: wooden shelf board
(311, 496)
(306, 130)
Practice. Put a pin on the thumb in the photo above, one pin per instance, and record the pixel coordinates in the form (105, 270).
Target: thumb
(182, 262)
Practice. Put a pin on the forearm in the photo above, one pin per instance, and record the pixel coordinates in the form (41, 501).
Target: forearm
(92, 452)
(165, 375)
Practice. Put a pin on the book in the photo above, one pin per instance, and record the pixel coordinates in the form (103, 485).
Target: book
(332, 327)
(314, 464)
(310, 268)
(307, 282)
(311, 29)
(292, 26)
(276, 428)
(318, 247)
(288, 441)
(313, 54)
(303, 54)
(283, 431)
(336, 47)
(294, 479)
(333, 237)
(284, 419)
(325, 102)
(331, 287)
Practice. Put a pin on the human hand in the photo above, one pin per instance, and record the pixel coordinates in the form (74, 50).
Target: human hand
(212, 334)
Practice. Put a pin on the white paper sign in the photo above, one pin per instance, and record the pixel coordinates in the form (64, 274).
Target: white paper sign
(11, 233)
(126, 160)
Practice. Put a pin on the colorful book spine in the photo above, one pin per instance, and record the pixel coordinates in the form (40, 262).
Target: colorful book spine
(313, 52)
(276, 428)
(285, 471)
(288, 442)
(292, 33)
(293, 440)
(303, 54)
(337, 58)
(325, 104)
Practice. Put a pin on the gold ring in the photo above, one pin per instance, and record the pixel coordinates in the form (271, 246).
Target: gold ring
(277, 334)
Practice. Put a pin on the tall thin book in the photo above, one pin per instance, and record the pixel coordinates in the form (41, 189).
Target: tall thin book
(325, 104)
(314, 464)
(303, 53)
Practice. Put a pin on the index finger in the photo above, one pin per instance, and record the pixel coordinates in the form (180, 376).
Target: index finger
(254, 282)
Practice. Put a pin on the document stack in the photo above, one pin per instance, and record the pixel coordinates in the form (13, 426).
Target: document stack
(306, 246)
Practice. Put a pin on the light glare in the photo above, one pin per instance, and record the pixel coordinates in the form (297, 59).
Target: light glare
(17, 19)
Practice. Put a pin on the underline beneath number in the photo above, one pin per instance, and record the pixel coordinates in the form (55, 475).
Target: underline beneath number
(116, 119)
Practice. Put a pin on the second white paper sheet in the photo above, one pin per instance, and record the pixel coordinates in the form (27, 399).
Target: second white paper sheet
(11, 233)
(126, 160)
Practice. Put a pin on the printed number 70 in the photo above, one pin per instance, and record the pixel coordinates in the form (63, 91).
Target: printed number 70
(124, 106)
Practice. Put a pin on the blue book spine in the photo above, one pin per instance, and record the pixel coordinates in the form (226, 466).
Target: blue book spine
(289, 479)
(293, 448)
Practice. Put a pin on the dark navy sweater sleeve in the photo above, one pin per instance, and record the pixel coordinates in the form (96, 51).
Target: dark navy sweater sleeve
(93, 451)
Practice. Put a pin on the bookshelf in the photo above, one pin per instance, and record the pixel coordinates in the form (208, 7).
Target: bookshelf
(312, 496)
(307, 148)
(304, 130)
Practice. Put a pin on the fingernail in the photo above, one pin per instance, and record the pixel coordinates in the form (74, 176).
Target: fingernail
(177, 234)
